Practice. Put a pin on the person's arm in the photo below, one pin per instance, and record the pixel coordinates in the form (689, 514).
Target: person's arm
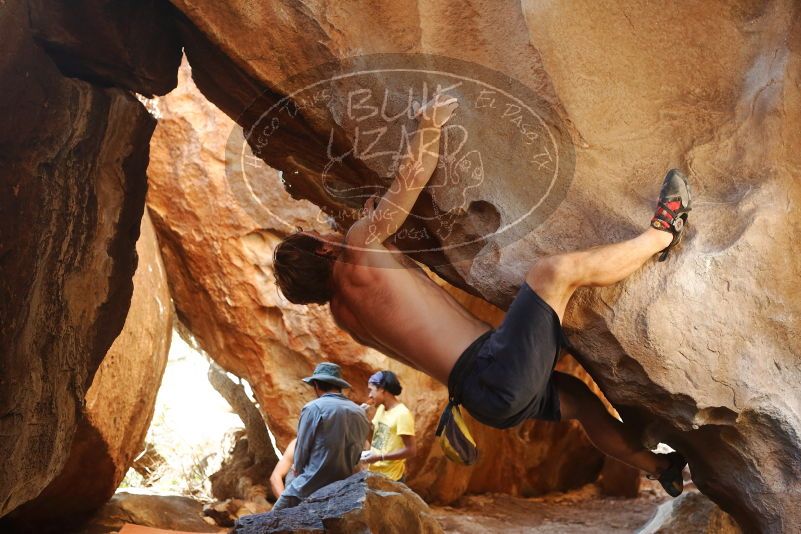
(408, 450)
(388, 215)
(282, 469)
(305, 439)
(371, 424)
(406, 433)
(366, 429)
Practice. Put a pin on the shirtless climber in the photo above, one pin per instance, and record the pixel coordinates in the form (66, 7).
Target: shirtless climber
(504, 376)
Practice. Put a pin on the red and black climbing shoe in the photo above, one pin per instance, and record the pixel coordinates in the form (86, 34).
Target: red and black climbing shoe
(673, 207)
(671, 478)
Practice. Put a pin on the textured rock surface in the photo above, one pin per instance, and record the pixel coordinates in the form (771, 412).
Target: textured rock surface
(119, 404)
(129, 43)
(169, 512)
(703, 350)
(245, 472)
(582, 511)
(72, 186)
(218, 258)
(365, 502)
(691, 512)
(717, 379)
(218, 262)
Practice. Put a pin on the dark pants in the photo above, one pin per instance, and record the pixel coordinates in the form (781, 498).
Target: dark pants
(505, 376)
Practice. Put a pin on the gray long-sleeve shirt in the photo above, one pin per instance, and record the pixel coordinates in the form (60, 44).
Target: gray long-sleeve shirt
(331, 435)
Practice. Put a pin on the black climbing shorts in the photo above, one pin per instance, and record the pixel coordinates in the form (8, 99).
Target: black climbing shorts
(505, 376)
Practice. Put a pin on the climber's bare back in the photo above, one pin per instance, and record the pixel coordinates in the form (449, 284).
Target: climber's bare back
(381, 297)
(384, 300)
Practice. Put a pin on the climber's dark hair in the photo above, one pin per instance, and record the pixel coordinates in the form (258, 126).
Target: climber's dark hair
(302, 275)
(387, 380)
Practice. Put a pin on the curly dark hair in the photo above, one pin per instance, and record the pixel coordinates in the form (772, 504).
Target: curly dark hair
(301, 273)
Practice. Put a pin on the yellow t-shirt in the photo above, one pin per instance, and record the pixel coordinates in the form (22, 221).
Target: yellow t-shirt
(388, 427)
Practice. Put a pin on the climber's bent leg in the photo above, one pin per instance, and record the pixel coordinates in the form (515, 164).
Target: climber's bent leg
(608, 434)
(556, 278)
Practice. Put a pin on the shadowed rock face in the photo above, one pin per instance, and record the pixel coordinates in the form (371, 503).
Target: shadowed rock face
(219, 261)
(364, 502)
(118, 407)
(72, 188)
(702, 351)
(130, 44)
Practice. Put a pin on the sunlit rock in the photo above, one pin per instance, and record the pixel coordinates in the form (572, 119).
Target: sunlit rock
(691, 512)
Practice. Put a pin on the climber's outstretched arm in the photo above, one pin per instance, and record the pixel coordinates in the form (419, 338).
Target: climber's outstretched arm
(386, 215)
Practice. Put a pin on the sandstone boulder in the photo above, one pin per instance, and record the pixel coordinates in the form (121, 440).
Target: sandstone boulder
(169, 512)
(701, 351)
(691, 512)
(362, 503)
(712, 372)
(118, 406)
(72, 187)
(218, 261)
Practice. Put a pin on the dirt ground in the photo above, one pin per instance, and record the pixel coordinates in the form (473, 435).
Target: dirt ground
(584, 510)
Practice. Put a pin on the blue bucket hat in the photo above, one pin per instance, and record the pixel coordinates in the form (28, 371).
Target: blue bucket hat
(329, 373)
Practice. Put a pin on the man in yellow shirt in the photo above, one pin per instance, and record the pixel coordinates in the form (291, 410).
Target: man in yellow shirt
(393, 428)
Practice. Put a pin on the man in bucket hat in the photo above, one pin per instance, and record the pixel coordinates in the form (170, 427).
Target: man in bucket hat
(331, 435)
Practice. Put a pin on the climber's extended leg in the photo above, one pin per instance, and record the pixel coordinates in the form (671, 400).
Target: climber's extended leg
(608, 434)
(557, 277)
(506, 375)
(615, 438)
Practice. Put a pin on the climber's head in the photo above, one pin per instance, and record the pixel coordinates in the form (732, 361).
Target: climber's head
(303, 263)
